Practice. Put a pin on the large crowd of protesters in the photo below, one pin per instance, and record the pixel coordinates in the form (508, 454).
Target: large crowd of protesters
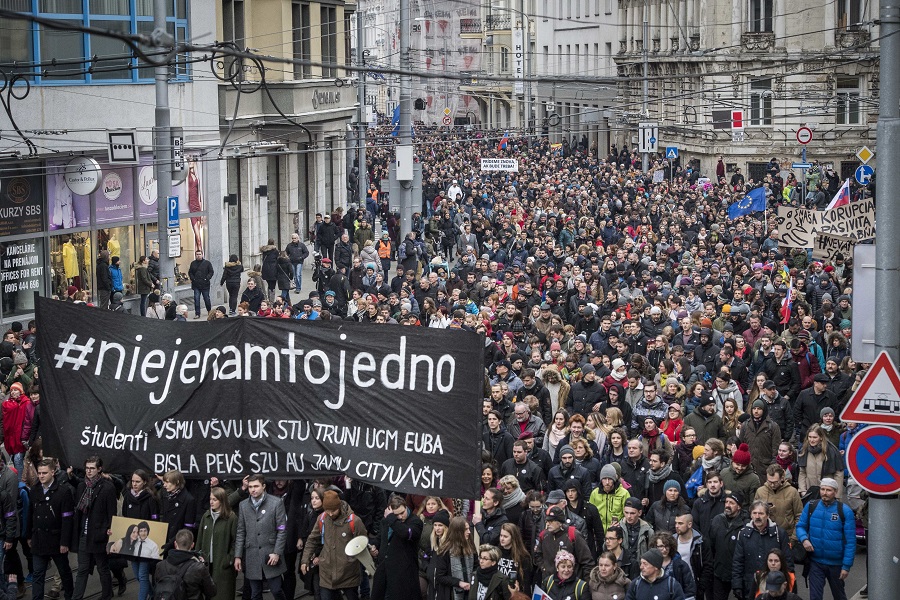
(662, 391)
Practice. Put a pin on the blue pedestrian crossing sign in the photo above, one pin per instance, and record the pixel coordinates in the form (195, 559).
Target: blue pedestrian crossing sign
(864, 174)
(671, 152)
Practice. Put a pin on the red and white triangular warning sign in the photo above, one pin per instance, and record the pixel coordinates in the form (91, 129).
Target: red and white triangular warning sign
(877, 399)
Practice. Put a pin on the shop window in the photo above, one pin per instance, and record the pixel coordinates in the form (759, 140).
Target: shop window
(193, 232)
(119, 241)
(71, 263)
(22, 273)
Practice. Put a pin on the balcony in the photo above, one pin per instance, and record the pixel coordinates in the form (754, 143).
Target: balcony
(762, 41)
(498, 23)
(470, 25)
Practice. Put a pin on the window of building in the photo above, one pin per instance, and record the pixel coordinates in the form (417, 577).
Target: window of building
(329, 40)
(112, 62)
(301, 27)
(849, 14)
(760, 102)
(848, 101)
(761, 12)
(504, 59)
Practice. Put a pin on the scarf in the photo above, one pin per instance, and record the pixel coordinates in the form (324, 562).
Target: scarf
(515, 497)
(90, 492)
(711, 464)
(815, 449)
(484, 576)
(660, 475)
(556, 435)
(784, 463)
(618, 376)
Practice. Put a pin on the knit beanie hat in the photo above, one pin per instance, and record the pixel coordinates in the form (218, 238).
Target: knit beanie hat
(441, 516)
(672, 484)
(742, 455)
(654, 557)
(331, 500)
(609, 471)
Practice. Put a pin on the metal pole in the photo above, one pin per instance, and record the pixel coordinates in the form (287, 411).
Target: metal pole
(884, 535)
(526, 41)
(162, 142)
(645, 157)
(362, 181)
(404, 136)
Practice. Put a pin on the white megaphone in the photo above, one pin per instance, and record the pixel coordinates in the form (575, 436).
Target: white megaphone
(358, 548)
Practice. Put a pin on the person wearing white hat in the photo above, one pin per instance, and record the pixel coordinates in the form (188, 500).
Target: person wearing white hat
(827, 530)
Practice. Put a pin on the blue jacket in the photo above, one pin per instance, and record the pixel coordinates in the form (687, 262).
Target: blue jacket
(116, 274)
(834, 542)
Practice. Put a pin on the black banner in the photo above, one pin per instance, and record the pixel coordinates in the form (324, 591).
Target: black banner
(399, 407)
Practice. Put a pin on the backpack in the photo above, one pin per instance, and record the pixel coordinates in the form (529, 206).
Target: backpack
(350, 521)
(171, 585)
(571, 531)
(401, 251)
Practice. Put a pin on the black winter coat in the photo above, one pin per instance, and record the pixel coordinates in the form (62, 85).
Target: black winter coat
(583, 396)
(179, 512)
(297, 252)
(98, 516)
(284, 273)
(144, 506)
(231, 274)
(50, 519)
(269, 263)
(705, 509)
(723, 539)
(397, 576)
(200, 273)
(750, 553)
(197, 581)
(661, 514)
(104, 277)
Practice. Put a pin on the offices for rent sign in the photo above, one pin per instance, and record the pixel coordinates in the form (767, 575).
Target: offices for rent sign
(500, 164)
(396, 407)
(798, 227)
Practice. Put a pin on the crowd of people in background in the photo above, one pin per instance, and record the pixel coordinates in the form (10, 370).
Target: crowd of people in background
(662, 386)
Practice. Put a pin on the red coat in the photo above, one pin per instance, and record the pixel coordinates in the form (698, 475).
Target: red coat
(13, 422)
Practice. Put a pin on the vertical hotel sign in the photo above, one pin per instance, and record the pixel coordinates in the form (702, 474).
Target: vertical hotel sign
(21, 203)
(519, 58)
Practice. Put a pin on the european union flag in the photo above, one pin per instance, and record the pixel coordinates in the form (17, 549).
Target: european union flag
(755, 201)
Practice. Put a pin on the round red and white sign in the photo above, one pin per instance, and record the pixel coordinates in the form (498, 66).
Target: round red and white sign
(804, 135)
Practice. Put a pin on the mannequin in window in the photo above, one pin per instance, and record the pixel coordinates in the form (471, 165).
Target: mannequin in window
(195, 204)
(70, 263)
(113, 246)
(64, 204)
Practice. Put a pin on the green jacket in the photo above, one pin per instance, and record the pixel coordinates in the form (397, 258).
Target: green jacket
(610, 506)
(215, 541)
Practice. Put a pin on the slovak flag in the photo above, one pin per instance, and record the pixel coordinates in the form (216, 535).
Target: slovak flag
(503, 141)
(788, 304)
(841, 198)
(539, 594)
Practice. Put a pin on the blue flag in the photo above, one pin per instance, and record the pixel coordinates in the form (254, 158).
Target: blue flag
(754, 201)
(395, 122)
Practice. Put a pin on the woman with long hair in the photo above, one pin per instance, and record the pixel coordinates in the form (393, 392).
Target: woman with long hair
(731, 414)
(310, 513)
(514, 557)
(818, 459)
(455, 562)
(557, 432)
(775, 561)
(673, 564)
(428, 548)
(674, 421)
(140, 502)
(488, 477)
(215, 542)
(607, 580)
(616, 450)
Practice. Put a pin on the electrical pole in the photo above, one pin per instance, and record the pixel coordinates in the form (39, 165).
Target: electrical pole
(884, 536)
(526, 42)
(362, 182)
(162, 142)
(404, 148)
(645, 107)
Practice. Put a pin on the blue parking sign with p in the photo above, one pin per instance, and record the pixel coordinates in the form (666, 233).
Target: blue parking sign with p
(173, 211)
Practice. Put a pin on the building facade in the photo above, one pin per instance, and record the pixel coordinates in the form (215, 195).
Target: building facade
(785, 64)
(285, 143)
(52, 227)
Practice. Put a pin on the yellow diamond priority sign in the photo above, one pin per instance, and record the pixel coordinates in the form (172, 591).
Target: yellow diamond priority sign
(864, 154)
